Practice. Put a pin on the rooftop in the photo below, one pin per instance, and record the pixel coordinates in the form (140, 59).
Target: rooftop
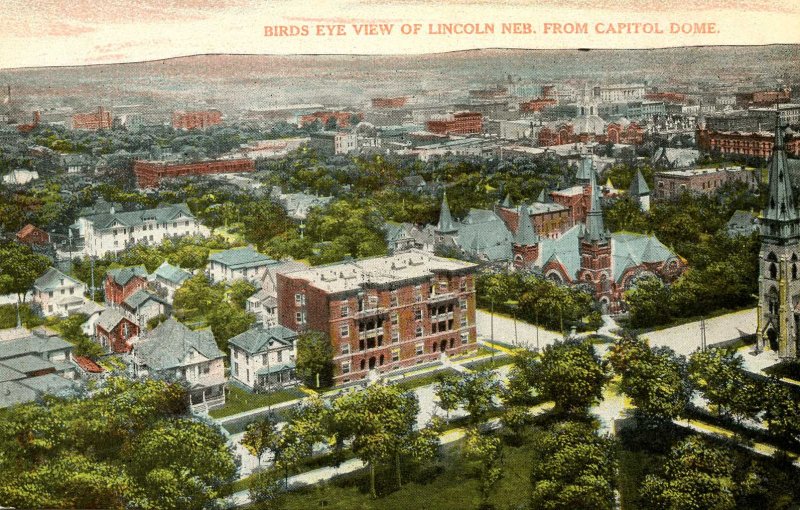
(171, 345)
(53, 279)
(259, 339)
(172, 274)
(352, 275)
(136, 218)
(239, 258)
(691, 172)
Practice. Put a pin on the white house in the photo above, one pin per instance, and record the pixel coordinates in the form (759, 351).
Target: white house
(264, 358)
(174, 352)
(238, 264)
(264, 303)
(20, 176)
(58, 294)
(115, 231)
(170, 278)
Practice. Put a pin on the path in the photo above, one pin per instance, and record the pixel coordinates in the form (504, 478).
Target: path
(504, 331)
(685, 339)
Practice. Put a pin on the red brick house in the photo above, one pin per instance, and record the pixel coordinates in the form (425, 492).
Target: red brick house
(121, 283)
(30, 234)
(383, 313)
(114, 331)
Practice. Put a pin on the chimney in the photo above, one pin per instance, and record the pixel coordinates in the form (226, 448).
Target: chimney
(37, 117)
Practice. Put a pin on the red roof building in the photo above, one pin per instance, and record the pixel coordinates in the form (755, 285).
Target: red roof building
(101, 119)
(459, 123)
(149, 173)
(537, 105)
(202, 119)
(342, 118)
(743, 143)
(30, 234)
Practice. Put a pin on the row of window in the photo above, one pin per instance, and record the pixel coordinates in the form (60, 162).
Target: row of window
(264, 360)
(344, 329)
(344, 310)
(419, 350)
(150, 227)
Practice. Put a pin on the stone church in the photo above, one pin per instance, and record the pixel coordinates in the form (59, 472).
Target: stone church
(778, 283)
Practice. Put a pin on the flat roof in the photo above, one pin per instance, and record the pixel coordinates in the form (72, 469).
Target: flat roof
(691, 172)
(350, 276)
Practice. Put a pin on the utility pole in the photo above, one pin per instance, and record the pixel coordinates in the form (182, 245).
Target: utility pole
(537, 328)
(91, 263)
(491, 331)
(703, 346)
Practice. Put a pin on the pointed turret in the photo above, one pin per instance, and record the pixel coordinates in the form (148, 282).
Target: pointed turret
(780, 218)
(640, 191)
(584, 169)
(446, 224)
(526, 235)
(541, 198)
(507, 203)
(595, 228)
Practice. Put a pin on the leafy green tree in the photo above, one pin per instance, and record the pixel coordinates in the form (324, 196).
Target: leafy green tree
(306, 426)
(19, 268)
(240, 291)
(477, 392)
(315, 359)
(379, 422)
(483, 454)
(448, 392)
(572, 468)
(267, 490)
(696, 476)
(519, 391)
(571, 374)
(260, 437)
(656, 380)
(782, 413)
(719, 375)
(226, 321)
(648, 303)
(71, 330)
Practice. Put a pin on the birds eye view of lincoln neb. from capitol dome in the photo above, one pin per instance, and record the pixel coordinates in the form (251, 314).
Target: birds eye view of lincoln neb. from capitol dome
(488, 279)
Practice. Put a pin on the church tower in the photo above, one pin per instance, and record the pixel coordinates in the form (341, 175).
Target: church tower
(526, 242)
(595, 249)
(778, 283)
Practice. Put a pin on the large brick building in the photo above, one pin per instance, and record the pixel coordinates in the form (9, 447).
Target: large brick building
(459, 123)
(763, 97)
(537, 105)
(673, 183)
(202, 119)
(149, 173)
(101, 119)
(389, 102)
(757, 144)
(383, 313)
(343, 119)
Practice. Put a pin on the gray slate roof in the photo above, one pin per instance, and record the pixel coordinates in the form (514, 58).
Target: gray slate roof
(239, 258)
(169, 344)
(51, 280)
(140, 297)
(9, 374)
(27, 364)
(123, 275)
(638, 186)
(277, 367)
(172, 274)
(137, 218)
(32, 344)
(109, 319)
(257, 340)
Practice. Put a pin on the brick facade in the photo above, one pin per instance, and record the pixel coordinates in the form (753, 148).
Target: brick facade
(758, 144)
(117, 339)
(384, 326)
(101, 119)
(196, 119)
(459, 123)
(116, 293)
(149, 173)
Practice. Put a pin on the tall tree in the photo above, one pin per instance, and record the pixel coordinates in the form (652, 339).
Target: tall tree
(314, 359)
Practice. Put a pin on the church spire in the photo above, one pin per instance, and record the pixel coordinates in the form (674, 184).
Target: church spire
(446, 224)
(595, 229)
(780, 205)
(526, 235)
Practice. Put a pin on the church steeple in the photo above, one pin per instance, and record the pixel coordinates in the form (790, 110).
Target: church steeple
(595, 228)
(526, 236)
(446, 224)
(780, 218)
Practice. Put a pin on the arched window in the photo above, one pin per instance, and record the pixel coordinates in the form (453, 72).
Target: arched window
(794, 271)
(773, 270)
(363, 364)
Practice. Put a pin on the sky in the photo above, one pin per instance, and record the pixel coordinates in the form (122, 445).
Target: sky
(78, 32)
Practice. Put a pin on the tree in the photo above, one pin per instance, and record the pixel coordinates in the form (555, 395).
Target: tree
(475, 391)
(71, 330)
(307, 425)
(226, 321)
(314, 359)
(448, 392)
(571, 374)
(240, 291)
(267, 490)
(484, 455)
(572, 468)
(646, 302)
(19, 268)
(782, 413)
(719, 375)
(260, 437)
(656, 380)
(696, 476)
(379, 422)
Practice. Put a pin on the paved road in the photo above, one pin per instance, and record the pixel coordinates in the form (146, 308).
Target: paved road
(685, 339)
(504, 331)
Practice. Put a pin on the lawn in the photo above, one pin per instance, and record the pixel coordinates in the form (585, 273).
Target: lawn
(489, 363)
(450, 487)
(239, 400)
(423, 380)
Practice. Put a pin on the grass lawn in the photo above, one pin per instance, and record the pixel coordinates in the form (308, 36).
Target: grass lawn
(423, 380)
(490, 363)
(451, 487)
(239, 400)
